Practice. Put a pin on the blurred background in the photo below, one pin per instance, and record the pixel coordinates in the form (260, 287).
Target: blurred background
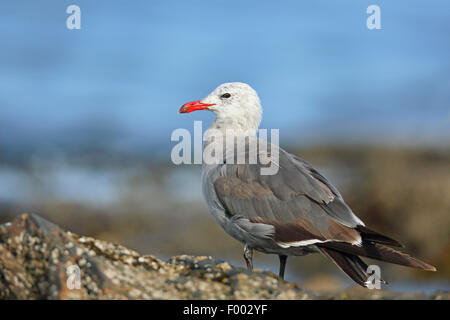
(86, 117)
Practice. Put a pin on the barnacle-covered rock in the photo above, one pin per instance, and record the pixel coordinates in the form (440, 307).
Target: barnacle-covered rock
(39, 260)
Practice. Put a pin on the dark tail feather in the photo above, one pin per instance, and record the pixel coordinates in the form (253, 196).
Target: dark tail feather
(352, 265)
(370, 235)
(378, 252)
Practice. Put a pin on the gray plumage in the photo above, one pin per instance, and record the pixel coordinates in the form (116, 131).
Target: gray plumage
(296, 210)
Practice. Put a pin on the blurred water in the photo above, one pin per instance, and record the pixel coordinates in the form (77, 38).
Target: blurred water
(322, 76)
(72, 184)
(103, 187)
(421, 286)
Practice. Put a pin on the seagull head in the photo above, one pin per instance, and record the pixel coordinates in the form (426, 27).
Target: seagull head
(235, 104)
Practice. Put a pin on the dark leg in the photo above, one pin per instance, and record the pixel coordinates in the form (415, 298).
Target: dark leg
(283, 259)
(248, 256)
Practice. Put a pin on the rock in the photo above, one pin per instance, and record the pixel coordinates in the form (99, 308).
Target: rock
(39, 260)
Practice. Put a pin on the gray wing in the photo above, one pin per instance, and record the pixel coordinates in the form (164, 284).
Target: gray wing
(336, 207)
(301, 205)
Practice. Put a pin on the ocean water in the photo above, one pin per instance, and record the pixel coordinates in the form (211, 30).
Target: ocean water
(323, 77)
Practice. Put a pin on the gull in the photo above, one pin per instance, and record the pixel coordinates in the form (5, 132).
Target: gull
(294, 211)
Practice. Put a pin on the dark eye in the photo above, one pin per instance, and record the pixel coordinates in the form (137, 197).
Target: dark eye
(225, 96)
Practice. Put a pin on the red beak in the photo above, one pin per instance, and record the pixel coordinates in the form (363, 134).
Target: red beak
(194, 106)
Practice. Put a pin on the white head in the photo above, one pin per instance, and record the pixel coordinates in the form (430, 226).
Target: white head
(236, 106)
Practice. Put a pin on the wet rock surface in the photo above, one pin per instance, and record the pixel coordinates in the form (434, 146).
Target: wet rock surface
(39, 260)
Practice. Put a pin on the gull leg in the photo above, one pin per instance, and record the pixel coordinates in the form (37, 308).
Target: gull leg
(248, 256)
(283, 259)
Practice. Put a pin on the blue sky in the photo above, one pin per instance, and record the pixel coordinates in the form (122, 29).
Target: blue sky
(321, 74)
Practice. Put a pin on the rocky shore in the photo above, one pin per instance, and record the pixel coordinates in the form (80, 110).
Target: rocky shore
(39, 260)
